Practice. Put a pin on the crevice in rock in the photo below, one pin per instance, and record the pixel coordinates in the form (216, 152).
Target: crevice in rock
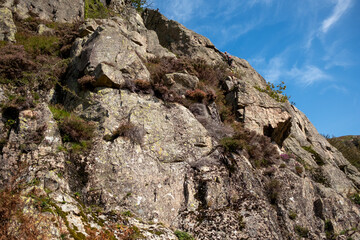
(10, 117)
(279, 133)
(300, 126)
(230, 164)
(186, 190)
(319, 209)
(202, 193)
(78, 177)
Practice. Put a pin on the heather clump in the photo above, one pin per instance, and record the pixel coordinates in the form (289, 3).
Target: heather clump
(129, 131)
(36, 63)
(73, 129)
(258, 148)
(14, 63)
(210, 77)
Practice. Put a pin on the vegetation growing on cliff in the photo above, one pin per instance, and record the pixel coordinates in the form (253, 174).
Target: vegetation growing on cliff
(95, 9)
(33, 65)
(183, 235)
(257, 148)
(276, 92)
(208, 89)
(73, 129)
(315, 155)
(139, 5)
(349, 146)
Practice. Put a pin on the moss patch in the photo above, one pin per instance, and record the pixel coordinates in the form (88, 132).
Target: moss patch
(315, 155)
(183, 235)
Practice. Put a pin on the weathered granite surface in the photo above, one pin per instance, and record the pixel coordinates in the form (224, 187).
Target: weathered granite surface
(169, 172)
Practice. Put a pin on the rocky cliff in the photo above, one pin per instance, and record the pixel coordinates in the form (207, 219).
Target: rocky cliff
(147, 133)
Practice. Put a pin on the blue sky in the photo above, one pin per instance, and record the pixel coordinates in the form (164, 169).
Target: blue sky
(311, 45)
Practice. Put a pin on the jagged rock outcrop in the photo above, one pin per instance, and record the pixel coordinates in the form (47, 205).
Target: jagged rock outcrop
(7, 26)
(165, 163)
(180, 40)
(59, 11)
(114, 51)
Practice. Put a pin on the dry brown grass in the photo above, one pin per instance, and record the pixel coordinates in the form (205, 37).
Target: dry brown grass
(257, 148)
(87, 82)
(129, 131)
(210, 77)
(14, 223)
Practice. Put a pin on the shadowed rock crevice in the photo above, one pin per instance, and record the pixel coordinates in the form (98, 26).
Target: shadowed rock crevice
(319, 209)
(279, 133)
(76, 171)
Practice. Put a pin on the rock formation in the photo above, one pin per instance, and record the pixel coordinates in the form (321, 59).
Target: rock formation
(163, 160)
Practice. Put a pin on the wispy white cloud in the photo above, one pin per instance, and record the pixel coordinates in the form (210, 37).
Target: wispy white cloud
(307, 75)
(340, 8)
(254, 2)
(338, 56)
(276, 70)
(182, 10)
(234, 31)
(334, 87)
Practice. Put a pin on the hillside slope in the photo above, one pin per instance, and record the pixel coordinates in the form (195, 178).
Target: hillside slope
(349, 146)
(134, 127)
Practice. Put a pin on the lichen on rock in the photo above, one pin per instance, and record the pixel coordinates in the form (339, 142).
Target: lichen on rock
(158, 169)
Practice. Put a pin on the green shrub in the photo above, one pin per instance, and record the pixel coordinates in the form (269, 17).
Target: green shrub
(318, 176)
(39, 44)
(59, 112)
(231, 144)
(3, 43)
(316, 156)
(329, 230)
(127, 214)
(292, 215)
(349, 146)
(299, 170)
(355, 198)
(183, 235)
(257, 148)
(139, 4)
(33, 66)
(73, 128)
(272, 189)
(79, 147)
(95, 9)
(274, 92)
(301, 231)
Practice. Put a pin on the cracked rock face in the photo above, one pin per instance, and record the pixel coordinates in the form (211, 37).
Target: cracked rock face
(146, 178)
(58, 11)
(167, 166)
(180, 40)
